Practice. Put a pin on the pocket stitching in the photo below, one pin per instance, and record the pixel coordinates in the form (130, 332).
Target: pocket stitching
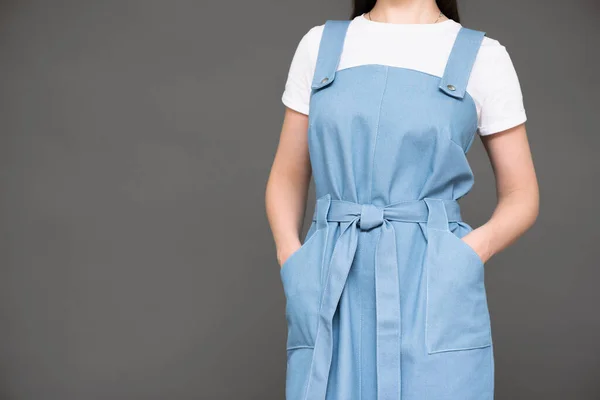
(427, 305)
(298, 347)
(293, 291)
(284, 266)
(468, 248)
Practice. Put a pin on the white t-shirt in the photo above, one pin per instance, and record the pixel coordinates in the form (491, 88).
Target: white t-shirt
(493, 83)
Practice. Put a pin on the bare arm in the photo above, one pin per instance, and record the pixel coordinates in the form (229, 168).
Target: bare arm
(516, 188)
(288, 183)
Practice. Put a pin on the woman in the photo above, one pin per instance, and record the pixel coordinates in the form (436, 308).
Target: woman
(385, 297)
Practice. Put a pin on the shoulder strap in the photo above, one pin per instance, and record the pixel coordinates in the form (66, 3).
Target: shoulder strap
(330, 51)
(460, 62)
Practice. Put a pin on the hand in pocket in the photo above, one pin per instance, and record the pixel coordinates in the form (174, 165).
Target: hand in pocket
(286, 251)
(478, 243)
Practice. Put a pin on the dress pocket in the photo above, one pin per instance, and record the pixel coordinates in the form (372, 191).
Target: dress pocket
(309, 236)
(457, 310)
(301, 278)
(464, 244)
(298, 368)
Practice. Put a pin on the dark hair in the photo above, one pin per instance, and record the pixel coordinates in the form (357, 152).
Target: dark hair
(447, 7)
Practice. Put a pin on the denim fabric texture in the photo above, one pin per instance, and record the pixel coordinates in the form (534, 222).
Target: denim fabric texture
(383, 299)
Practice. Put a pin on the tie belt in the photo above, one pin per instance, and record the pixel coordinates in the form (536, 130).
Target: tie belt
(355, 217)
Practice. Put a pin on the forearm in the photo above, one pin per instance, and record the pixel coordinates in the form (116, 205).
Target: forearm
(285, 199)
(514, 214)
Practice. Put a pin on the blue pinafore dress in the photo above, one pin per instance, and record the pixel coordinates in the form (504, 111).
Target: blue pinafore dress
(384, 300)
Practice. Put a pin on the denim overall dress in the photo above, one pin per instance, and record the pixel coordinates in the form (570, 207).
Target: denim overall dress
(384, 300)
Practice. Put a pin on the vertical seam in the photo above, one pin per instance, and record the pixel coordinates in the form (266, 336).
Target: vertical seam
(492, 383)
(400, 324)
(387, 68)
(360, 333)
(377, 305)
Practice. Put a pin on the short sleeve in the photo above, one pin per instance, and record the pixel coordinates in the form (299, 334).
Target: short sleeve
(296, 94)
(498, 90)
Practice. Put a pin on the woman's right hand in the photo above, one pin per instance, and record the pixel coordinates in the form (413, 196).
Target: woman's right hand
(285, 251)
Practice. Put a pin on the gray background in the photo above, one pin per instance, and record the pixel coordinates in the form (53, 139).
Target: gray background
(136, 139)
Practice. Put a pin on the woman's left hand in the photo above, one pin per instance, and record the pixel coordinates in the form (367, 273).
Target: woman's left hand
(478, 241)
